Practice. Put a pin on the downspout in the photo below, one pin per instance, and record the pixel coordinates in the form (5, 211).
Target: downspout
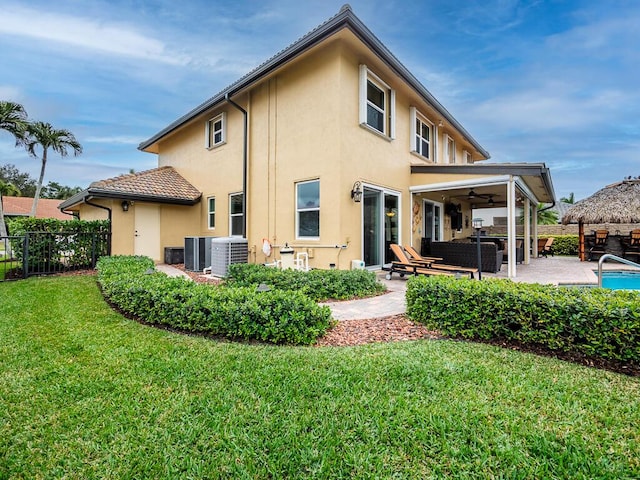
(244, 165)
(109, 217)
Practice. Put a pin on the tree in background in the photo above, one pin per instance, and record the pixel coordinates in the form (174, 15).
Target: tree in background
(44, 136)
(5, 189)
(59, 192)
(9, 173)
(570, 199)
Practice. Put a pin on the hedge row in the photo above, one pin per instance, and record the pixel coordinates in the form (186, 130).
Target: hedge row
(317, 284)
(274, 316)
(596, 322)
(564, 244)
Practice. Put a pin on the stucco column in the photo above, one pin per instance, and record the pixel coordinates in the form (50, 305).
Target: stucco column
(527, 231)
(511, 227)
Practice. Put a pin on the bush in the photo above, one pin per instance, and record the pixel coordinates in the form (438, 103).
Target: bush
(564, 244)
(593, 321)
(50, 240)
(275, 316)
(317, 284)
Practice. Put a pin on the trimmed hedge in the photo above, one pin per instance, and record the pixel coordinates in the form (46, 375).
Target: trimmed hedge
(317, 284)
(276, 316)
(593, 321)
(564, 244)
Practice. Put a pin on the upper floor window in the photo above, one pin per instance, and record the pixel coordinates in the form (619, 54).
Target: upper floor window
(236, 214)
(466, 156)
(308, 209)
(421, 134)
(215, 131)
(377, 103)
(449, 150)
(211, 212)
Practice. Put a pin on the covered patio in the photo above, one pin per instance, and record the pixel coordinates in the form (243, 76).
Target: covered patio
(518, 187)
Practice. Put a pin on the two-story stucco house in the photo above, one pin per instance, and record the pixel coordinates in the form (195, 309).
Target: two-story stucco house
(331, 146)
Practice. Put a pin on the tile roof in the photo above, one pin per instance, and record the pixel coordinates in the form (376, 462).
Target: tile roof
(21, 207)
(162, 182)
(161, 185)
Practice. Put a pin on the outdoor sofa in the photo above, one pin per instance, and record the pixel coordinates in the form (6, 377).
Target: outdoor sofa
(465, 254)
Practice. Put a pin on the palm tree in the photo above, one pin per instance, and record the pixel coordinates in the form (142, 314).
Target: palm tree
(44, 135)
(13, 119)
(570, 199)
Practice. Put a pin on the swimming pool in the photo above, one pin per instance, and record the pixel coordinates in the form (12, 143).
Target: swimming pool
(621, 280)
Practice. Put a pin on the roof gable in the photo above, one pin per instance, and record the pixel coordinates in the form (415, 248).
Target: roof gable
(345, 18)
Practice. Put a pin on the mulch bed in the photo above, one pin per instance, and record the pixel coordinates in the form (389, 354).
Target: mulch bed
(397, 328)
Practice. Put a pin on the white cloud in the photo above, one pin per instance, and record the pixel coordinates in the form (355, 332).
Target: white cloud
(106, 37)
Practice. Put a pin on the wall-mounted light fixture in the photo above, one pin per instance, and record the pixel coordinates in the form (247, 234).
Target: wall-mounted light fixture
(125, 206)
(356, 192)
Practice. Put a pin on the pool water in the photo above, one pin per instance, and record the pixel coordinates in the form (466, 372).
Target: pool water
(621, 280)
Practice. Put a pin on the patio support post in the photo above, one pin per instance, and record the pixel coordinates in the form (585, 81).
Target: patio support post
(534, 216)
(581, 253)
(511, 227)
(527, 231)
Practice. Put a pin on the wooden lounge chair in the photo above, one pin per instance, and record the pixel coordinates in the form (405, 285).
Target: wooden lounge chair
(547, 248)
(403, 266)
(432, 262)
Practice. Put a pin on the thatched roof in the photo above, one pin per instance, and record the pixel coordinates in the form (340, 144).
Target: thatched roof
(616, 203)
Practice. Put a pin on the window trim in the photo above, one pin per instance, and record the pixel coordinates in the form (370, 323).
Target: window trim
(389, 113)
(416, 116)
(210, 213)
(209, 135)
(449, 150)
(232, 215)
(311, 209)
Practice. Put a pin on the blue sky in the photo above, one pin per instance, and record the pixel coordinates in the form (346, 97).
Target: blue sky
(540, 81)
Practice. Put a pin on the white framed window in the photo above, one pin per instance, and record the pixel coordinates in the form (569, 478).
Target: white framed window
(421, 134)
(466, 156)
(236, 214)
(211, 212)
(449, 150)
(215, 131)
(308, 209)
(377, 104)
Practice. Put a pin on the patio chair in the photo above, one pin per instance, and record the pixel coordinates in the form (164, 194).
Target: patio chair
(432, 262)
(600, 244)
(403, 266)
(631, 245)
(545, 246)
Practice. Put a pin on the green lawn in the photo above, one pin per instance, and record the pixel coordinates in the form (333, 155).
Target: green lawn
(86, 393)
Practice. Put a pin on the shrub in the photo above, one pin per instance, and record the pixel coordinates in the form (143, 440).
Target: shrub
(564, 244)
(275, 316)
(592, 321)
(79, 242)
(317, 284)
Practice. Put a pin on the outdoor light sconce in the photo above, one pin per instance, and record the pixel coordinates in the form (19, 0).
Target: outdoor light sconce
(125, 206)
(356, 192)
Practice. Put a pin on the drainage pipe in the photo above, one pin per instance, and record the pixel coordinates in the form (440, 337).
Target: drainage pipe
(244, 165)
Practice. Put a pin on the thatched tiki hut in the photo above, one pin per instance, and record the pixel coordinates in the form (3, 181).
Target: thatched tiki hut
(615, 203)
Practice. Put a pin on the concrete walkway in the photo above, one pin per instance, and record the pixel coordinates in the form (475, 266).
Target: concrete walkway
(552, 270)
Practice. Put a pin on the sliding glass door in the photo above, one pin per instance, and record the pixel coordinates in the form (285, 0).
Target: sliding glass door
(381, 226)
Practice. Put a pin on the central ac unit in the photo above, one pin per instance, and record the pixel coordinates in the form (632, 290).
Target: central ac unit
(197, 253)
(225, 251)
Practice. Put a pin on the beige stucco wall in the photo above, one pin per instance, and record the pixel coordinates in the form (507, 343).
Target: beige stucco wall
(304, 125)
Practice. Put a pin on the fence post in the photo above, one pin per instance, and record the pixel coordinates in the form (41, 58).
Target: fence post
(25, 255)
(93, 250)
